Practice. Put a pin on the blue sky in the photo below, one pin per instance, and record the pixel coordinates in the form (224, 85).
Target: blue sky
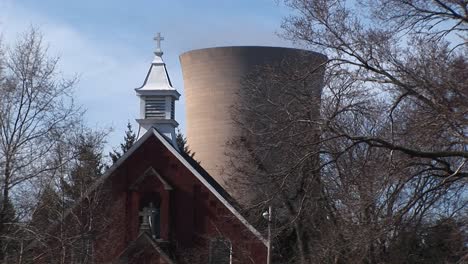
(109, 43)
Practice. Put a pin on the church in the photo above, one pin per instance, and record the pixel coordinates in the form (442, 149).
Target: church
(156, 204)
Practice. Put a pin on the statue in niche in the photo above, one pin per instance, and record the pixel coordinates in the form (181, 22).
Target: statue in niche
(154, 220)
(151, 220)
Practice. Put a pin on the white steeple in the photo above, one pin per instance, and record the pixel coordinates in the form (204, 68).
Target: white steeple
(157, 98)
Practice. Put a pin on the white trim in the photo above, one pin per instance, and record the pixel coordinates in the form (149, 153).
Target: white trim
(117, 164)
(151, 172)
(152, 243)
(160, 251)
(207, 185)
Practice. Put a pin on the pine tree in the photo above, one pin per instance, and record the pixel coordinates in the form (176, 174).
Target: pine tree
(10, 212)
(129, 140)
(86, 168)
(181, 141)
(9, 232)
(48, 208)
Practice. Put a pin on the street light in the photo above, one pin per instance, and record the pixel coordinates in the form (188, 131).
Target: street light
(267, 216)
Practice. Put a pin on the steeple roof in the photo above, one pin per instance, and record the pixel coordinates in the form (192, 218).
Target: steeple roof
(157, 78)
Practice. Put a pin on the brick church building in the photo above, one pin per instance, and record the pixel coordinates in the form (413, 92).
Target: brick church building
(158, 205)
(167, 209)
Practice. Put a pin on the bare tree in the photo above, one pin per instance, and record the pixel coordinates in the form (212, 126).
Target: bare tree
(386, 157)
(410, 53)
(278, 151)
(36, 105)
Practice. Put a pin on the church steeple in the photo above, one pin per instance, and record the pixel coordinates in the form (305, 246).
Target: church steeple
(157, 98)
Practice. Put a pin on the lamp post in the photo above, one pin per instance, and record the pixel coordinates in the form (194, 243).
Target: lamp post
(267, 216)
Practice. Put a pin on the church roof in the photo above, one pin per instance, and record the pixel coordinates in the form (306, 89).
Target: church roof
(193, 167)
(210, 183)
(210, 180)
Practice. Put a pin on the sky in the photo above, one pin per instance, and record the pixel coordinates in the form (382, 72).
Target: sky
(109, 43)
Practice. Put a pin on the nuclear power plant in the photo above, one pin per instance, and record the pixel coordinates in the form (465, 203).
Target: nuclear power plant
(212, 79)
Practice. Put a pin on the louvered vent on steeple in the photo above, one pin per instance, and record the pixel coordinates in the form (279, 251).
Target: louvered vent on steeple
(155, 108)
(172, 109)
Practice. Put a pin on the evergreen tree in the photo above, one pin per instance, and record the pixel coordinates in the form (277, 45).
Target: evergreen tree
(129, 140)
(10, 220)
(86, 168)
(181, 141)
(48, 208)
(10, 212)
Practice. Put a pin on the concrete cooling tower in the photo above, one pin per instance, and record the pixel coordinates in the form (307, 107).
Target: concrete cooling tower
(212, 80)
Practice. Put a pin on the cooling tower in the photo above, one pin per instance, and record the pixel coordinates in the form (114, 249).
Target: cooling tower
(212, 80)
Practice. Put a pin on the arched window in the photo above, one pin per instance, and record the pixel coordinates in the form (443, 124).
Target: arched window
(220, 251)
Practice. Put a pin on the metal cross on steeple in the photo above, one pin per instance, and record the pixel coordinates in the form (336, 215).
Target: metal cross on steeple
(158, 40)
